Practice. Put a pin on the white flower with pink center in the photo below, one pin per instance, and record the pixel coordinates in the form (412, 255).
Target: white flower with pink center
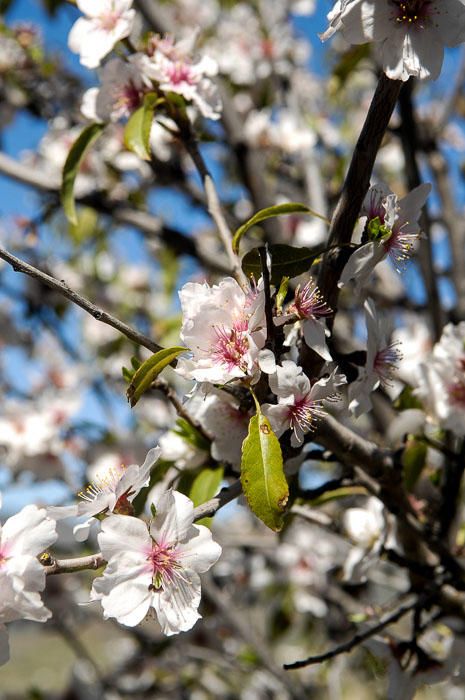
(299, 402)
(381, 363)
(410, 34)
(310, 308)
(110, 492)
(441, 380)
(120, 94)
(224, 329)
(22, 538)
(176, 69)
(392, 228)
(106, 23)
(155, 566)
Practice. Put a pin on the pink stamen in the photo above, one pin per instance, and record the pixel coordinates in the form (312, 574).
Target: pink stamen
(181, 73)
(304, 412)
(231, 346)
(308, 302)
(456, 392)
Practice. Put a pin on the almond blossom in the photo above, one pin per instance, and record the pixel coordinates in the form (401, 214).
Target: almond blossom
(120, 94)
(381, 363)
(106, 23)
(174, 67)
(111, 492)
(367, 529)
(299, 402)
(441, 380)
(22, 538)
(224, 328)
(411, 34)
(310, 307)
(155, 566)
(392, 229)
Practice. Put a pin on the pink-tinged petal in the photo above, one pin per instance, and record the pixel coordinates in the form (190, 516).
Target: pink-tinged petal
(176, 606)
(4, 646)
(199, 552)
(119, 529)
(128, 601)
(29, 532)
(174, 518)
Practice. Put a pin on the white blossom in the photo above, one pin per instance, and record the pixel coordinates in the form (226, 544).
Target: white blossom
(410, 34)
(441, 380)
(22, 538)
(111, 491)
(176, 69)
(120, 93)
(106, 23)
(155, 566)
(367, 529)
(224, 328)
(299, 402)
(381, 363)
(392, 227)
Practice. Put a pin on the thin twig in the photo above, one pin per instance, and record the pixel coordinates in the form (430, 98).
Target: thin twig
(358, 639)
(62, 287)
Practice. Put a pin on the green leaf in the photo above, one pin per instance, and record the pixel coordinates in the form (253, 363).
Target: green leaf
(286, 261)
(413, 462)
(137, 130)
(206, 485)
(281, 293)
(71, 167)
(268, 213)
(149, 371)
(262, 474)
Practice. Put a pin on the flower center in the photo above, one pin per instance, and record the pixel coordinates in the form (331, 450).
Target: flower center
(106, 481)
(386, 361)
(400, 246)
(309, 302)
(163, 559)
(109, 20)
(412, 12)
(231, 347)
(129, 98)
(303, 413)
(456, 392)
(180, 73)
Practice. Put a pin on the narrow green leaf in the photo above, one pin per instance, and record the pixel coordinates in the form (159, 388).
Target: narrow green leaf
(71, 167)
(282, 292)
(149, 371)
(413, 462)
(206, 485)
(262, 474)
(268, 213)
(137, 130)
(286, 261)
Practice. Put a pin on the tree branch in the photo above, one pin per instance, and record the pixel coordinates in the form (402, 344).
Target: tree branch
(60, 286)
(359, 638)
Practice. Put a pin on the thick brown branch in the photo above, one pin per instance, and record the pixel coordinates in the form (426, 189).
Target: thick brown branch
(357, 183)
